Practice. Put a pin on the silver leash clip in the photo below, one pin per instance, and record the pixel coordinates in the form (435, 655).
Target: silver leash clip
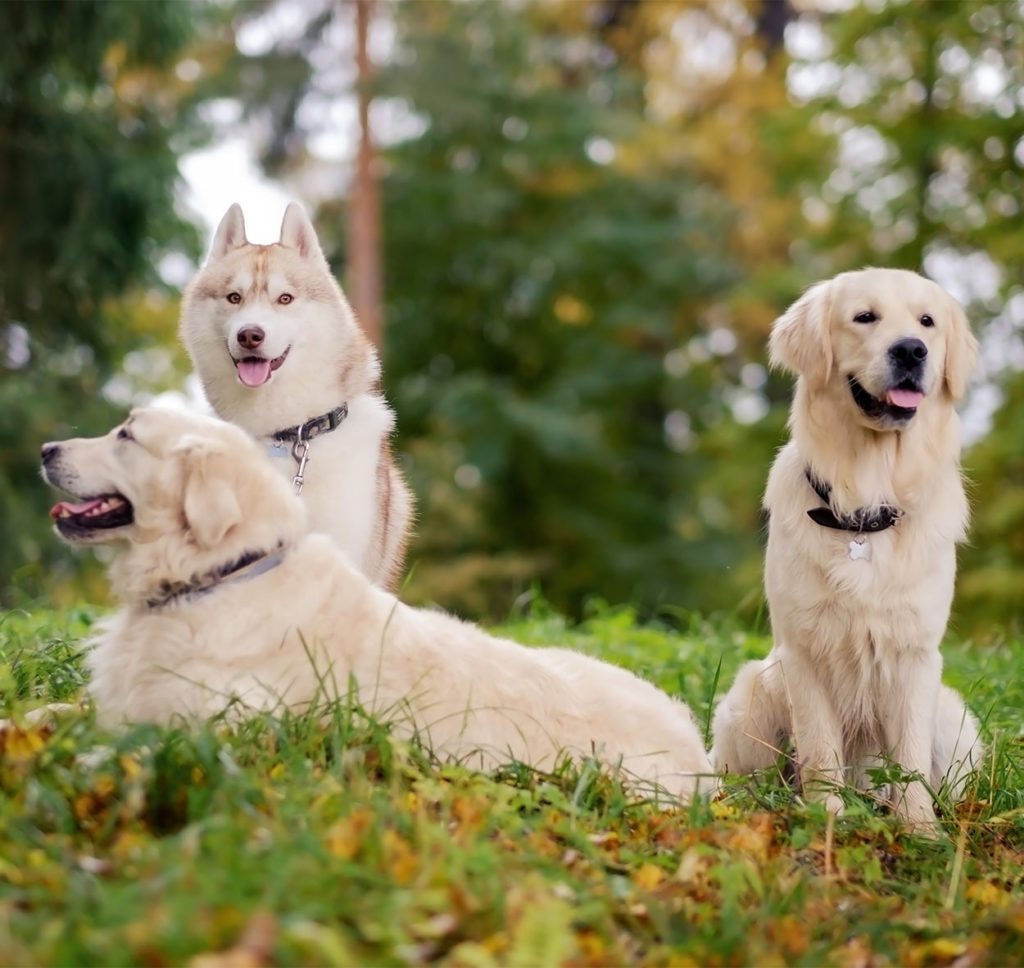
(300, 453)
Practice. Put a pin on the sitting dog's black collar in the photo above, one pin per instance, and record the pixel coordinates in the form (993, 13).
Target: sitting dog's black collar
(313, 427)
(250, 565)
(863, 520)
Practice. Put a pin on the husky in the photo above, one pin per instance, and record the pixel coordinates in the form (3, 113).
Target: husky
(279, 352)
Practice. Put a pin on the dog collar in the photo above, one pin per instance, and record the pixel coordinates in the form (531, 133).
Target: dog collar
(249, 566)
(313, 427)
(862, 520)
(301, 435)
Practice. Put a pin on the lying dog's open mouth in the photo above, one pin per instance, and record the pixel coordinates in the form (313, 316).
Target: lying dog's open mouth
(254, 371)
(899, 404)
(104, 513)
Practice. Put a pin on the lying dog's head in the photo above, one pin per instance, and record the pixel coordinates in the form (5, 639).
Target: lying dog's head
(887, 339)
(186, 493)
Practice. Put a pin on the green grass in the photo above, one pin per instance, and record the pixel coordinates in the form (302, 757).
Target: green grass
(300, 841)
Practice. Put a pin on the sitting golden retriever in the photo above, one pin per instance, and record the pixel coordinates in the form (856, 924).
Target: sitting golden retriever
(228, 600)
(865, 507)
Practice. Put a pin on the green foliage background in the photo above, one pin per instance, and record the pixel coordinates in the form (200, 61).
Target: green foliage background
(589, 227)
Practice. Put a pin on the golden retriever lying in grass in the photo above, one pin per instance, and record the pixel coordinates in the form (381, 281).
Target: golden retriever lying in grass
(866, 504)
(227, 600)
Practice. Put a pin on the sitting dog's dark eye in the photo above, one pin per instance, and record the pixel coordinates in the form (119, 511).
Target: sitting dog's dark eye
(865, 317)
(926, 320)
(124, 434)
(234, 297)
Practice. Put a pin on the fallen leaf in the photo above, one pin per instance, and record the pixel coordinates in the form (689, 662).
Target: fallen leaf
(254, 949)
(648, 876)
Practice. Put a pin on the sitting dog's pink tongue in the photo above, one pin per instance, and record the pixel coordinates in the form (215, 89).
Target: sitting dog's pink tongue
(253, 372)
(907, 399)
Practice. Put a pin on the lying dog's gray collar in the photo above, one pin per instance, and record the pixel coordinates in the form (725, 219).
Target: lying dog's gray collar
(863, 520)
(313, 427)
(250, 565)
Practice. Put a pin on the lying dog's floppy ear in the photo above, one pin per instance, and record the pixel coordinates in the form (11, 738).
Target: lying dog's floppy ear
(961, 352)
(800, 340)
(297, 232)
(209, 501)
(230, 233)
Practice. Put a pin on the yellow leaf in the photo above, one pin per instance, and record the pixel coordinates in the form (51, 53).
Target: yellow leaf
(987, 894)
(753, 838)
(401, 860)
(648, 877)
(345, 836)
(22, 744)
(131, 766)
(723, 811)
(946, 949)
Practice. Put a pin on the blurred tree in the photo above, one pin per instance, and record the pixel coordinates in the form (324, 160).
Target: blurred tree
(716, 85)
(924, 99)
(542, 268)
(990, 588)
(91, 120)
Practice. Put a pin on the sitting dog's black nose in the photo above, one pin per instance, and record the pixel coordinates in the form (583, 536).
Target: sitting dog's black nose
(49, 451)
(910, 353)
(251, 337)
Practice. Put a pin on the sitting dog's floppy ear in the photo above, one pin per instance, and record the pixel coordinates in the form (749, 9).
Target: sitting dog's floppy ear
(961, 353)
(800, 340)
(209, 502)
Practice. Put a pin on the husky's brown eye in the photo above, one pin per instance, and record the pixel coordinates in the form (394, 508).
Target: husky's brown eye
(285, 298)
(234, 298)
(865, 317)
(926, 320)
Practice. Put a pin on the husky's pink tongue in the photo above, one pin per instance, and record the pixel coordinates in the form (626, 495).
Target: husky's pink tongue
(253, 372)
(907, 399)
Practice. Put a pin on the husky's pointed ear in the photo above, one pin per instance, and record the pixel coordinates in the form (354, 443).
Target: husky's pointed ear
(961, 352)
(800, 341)
(209, 502)
(230, 233)
(297, 232)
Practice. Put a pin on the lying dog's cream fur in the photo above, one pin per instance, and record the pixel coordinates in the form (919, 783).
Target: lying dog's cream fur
(854, 674)
(226, 598)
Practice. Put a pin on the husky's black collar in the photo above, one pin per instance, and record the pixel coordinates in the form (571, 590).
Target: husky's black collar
(250, 565)
(313, 427)
(863, 520)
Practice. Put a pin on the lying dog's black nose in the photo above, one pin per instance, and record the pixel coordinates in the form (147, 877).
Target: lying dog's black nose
(909, 353)
(49, 451)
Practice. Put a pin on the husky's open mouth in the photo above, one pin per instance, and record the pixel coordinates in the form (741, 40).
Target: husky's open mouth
(103, 513)
(899, 404)
(254, 371)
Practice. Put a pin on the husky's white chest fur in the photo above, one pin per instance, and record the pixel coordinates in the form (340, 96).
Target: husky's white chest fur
(277, 347)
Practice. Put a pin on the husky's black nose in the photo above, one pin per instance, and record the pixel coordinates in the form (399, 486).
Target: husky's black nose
(251, 337)
(908, 353)
(49, 451)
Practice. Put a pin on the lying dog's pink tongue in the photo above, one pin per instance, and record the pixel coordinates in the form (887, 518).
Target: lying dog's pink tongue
(907, 399)
(65, 509)
(253, 372)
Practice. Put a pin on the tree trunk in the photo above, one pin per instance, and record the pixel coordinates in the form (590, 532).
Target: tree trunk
(365, 281)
